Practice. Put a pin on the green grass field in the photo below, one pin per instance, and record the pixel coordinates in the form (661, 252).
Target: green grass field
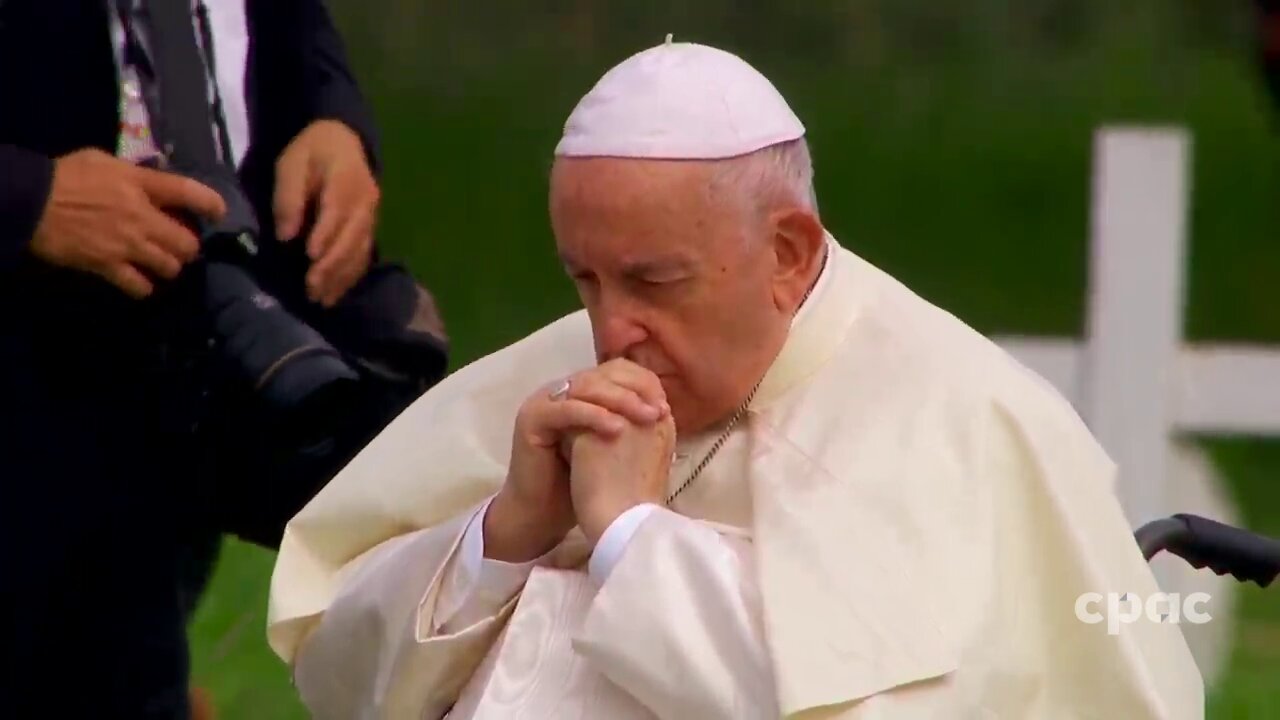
(968, 180)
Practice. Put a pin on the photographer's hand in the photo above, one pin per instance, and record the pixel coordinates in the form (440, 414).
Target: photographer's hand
(108, 217)
(326, 163)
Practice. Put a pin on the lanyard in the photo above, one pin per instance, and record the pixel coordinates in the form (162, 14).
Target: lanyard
(139, 59)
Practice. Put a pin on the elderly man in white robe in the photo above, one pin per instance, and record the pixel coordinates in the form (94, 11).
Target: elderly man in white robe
(755, 477)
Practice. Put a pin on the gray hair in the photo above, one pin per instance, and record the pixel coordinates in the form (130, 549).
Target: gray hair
(777, 173)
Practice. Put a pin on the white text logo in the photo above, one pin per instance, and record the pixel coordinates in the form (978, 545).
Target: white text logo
(1124, 609)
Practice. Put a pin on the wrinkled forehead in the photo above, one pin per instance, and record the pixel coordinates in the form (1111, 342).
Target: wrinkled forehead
(625, 182)
(669, 192)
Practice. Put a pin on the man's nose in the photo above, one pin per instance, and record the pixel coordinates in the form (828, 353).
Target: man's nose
(617, 331)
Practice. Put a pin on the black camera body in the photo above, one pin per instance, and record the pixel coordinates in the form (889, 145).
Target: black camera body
(302, 372)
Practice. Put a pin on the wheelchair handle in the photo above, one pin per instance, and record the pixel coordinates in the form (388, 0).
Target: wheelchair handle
(1207, 543)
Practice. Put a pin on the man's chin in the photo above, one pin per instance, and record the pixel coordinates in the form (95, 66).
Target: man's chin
(691, 422)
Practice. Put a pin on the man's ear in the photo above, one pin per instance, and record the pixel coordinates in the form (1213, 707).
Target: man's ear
(798, 242)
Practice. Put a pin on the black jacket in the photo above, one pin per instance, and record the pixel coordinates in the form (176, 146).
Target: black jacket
(59, 93)
(105, 513)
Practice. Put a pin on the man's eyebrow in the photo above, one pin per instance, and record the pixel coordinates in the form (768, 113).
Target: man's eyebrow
(639, 268)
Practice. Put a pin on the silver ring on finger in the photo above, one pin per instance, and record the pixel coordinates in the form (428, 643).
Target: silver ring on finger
(562, 390)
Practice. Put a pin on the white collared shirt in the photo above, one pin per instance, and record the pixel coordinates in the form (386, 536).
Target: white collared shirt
(230, 32)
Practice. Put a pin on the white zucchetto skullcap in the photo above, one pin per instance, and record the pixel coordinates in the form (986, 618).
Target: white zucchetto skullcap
(679, 101)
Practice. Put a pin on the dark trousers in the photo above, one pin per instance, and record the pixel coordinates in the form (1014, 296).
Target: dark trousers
(109, 641)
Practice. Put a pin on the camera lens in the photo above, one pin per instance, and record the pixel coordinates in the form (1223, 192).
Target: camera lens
(284, 359)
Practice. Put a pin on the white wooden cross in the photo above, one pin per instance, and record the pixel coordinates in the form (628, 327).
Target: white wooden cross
(1132, 378)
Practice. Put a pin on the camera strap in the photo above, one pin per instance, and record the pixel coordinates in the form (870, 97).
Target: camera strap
(210, 63)
(175, 72)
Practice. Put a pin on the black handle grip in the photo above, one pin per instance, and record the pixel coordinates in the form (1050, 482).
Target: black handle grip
(1207, 543)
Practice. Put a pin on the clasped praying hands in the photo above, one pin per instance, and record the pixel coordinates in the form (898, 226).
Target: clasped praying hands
(581, 457)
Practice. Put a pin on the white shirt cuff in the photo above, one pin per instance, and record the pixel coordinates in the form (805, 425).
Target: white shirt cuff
(478, 587)
(614, 540)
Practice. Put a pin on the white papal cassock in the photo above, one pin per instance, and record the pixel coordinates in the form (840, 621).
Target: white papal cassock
(900, 528)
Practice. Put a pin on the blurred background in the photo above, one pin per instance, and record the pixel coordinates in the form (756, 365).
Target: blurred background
(952, 142)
